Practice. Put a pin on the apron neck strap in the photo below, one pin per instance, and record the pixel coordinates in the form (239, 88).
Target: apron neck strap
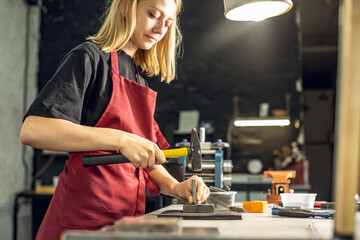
(115, 66)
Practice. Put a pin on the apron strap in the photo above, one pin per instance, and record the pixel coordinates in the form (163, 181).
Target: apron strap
(150, 183)
(114, 64)
(115, 67)
(138, 74)
(161, 140)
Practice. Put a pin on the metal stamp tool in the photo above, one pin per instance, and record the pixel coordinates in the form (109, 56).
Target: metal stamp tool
(194, 190)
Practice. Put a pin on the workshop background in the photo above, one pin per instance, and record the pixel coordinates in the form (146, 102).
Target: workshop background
(227, 70)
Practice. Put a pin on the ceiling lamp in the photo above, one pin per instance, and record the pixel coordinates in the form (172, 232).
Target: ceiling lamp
(255, 10)
(248, 122)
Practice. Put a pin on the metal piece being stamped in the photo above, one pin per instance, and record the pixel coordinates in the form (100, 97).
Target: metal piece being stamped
(200, 208)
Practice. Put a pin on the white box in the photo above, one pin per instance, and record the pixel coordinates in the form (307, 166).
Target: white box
(298, 200)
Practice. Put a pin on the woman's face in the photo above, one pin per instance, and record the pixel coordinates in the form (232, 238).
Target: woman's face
(154, 17)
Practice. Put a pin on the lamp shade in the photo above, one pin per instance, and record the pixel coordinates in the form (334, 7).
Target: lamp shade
(255, 10)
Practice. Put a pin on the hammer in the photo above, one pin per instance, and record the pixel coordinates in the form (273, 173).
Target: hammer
(194, 152)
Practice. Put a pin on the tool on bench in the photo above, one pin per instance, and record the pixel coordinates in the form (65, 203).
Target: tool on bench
(194, 153)
(279, 184)
(215, 189)
(256, 206)
(236, 209)
(300, 213)
(324, 205)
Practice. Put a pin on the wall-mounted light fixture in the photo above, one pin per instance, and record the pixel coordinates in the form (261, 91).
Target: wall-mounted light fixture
(255, 10)
(259, 122)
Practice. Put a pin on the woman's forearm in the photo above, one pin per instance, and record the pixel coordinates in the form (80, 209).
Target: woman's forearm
(183, 190)
(62, 135)
(165, 182)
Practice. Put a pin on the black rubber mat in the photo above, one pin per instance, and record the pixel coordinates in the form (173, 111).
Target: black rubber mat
(217, 215)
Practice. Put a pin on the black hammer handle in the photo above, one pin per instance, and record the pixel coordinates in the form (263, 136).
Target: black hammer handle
(94, 160)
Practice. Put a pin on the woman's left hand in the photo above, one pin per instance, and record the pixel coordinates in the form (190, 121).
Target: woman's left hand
(183, 190)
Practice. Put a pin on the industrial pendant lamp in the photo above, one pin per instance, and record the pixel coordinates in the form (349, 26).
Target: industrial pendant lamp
(255, 10)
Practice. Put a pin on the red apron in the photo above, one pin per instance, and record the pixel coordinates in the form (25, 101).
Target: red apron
(89, 198)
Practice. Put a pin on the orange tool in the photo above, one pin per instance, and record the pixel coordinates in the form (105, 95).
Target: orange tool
(279, 184)
(256, 206)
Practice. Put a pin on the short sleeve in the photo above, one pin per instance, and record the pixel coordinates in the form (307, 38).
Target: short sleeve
(63, 96)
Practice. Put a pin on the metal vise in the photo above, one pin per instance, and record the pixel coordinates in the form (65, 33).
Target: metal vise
(214, 169)
(279, 184)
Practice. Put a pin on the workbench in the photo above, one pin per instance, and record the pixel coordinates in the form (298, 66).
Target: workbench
(252, 226)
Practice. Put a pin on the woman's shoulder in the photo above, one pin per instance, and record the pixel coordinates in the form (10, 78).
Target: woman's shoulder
(88, 50)
(88, 47)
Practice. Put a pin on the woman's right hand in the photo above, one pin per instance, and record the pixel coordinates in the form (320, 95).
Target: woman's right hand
(140, 151)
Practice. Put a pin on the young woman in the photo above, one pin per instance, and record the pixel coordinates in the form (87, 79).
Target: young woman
(97, 103)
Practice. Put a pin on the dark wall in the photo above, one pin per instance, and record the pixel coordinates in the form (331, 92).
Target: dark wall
(65, 24)
(257, 61)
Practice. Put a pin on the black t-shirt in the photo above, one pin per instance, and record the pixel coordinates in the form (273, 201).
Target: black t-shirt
(81, 88)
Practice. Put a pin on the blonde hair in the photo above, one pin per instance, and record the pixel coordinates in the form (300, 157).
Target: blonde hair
(118, 27)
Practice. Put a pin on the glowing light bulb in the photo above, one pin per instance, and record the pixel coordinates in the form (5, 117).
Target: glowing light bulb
(245, 10)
